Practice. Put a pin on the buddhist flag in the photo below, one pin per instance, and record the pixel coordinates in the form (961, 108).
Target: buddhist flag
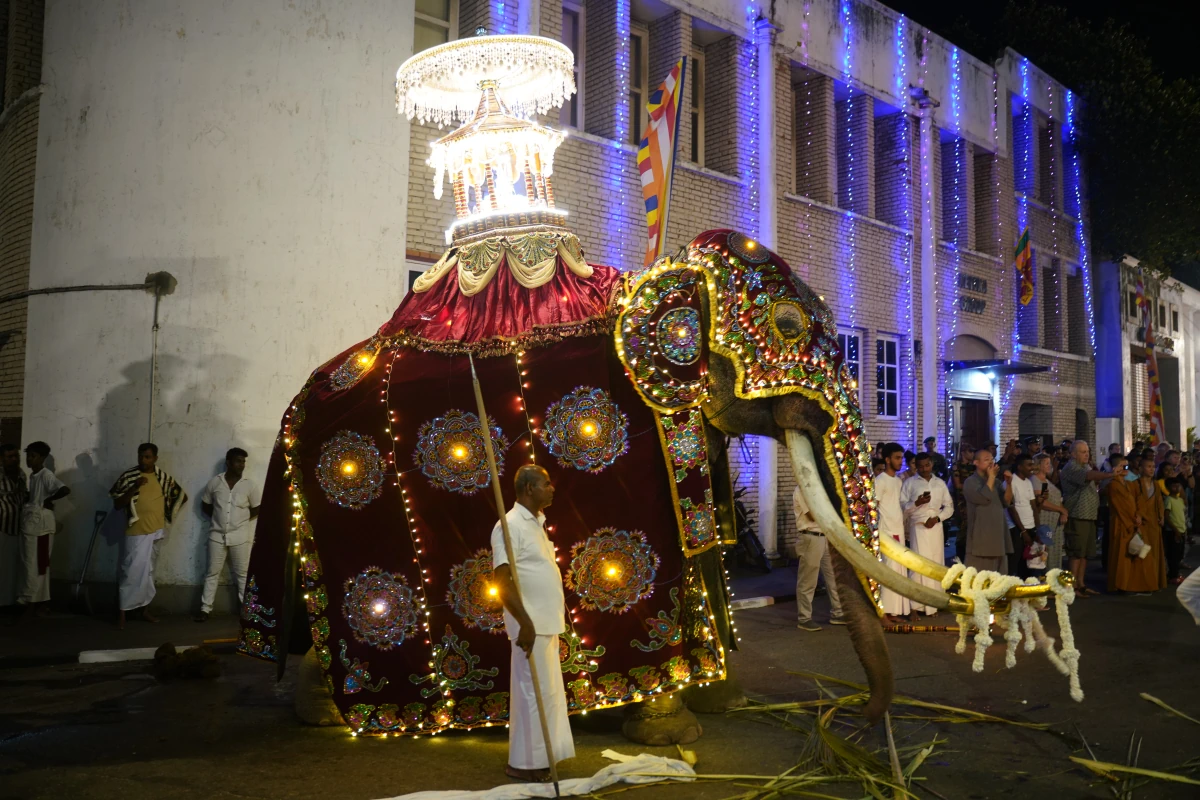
(1024, 263)
(1158, 428)
(656, 156)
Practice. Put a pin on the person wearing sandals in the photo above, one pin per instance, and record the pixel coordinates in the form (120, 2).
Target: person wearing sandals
(1081, 497)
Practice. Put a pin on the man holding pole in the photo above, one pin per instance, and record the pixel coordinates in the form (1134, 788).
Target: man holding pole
(533, 617)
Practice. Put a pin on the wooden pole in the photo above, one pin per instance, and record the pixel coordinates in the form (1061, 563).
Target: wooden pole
(486, 433)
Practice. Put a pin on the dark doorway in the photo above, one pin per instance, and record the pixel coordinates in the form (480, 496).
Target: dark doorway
(976, 423)
(1036, 419)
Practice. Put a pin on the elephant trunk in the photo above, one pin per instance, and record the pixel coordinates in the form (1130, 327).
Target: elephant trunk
(867, 636)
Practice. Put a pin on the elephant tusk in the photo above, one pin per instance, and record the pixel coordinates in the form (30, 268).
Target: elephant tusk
(911, 559)
(804, 465)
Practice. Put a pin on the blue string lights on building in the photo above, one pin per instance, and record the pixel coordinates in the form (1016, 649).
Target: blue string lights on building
(950, 284)
(909, 242)
(618, 159)
(748, 68)
(501, 20)
(1071, 137)
(849, 276)
(1026, 142)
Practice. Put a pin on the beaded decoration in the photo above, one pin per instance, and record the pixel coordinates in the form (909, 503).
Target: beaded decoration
(455, 668)
(678, 335)
(450, 452)
(357, 676)
(350, 470)
(380, 608)
(612, 570)
(356, 365)
(586, 430)
(252, 610)
(686, 444)
(473, 596)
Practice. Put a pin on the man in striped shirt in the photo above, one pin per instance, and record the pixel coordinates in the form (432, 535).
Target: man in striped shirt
(13, 492)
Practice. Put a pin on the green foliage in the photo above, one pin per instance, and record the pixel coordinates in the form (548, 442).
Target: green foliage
(1138, 129)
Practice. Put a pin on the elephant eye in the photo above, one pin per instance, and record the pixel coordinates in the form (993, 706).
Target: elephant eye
(789, 320)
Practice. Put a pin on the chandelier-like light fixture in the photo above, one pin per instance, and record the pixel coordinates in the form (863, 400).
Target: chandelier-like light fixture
(499, 161)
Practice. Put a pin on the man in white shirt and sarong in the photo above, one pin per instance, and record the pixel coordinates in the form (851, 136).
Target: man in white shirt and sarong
(231, 500)
(37, 529)
(152, 498)
(926, 502)
(1022, 519)
(534, 619)
(891, 523)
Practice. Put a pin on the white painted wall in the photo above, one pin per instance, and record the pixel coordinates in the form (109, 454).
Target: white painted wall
(252, 149)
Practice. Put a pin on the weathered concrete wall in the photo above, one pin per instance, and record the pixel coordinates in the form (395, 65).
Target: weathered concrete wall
(252, 150)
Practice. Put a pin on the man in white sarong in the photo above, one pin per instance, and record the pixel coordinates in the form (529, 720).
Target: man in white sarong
(926, 502)
(891, 523)
(13, 491)
(152, 498)
(534, 619)
(37, 529)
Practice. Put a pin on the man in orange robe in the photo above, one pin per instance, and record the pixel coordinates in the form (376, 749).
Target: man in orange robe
(1137, 507)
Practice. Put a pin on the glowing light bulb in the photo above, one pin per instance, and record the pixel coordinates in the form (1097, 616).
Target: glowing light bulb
(459, 452)
(588, 428)
(493, 591)
(612, 571)
(379, 608)
(349, 467)
(681, 332)
(364, 359)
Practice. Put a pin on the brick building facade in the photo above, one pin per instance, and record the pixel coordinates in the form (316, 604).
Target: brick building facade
(21, 59)
(893, 171)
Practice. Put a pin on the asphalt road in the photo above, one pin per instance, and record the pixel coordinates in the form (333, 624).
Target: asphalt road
(112, 731)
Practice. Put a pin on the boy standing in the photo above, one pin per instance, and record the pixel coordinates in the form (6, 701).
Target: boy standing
(1175, 534)
(37, 529)
(231, 500)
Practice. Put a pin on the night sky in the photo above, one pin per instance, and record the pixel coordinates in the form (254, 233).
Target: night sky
(1170, 36)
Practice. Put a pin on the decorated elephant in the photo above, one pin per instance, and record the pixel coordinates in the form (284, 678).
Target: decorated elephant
(372, 545)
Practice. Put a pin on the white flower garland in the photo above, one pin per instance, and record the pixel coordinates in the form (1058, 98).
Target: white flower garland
(983, 588)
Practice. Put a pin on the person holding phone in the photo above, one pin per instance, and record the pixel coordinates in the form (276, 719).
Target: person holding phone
(1051, 513)
(926, 503)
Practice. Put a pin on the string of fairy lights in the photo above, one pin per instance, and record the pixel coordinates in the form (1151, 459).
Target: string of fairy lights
(908, 243)
(850, 225)
(960, 237)
(1081, 242)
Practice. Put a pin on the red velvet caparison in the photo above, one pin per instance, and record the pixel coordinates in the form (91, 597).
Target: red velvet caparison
(456, 674)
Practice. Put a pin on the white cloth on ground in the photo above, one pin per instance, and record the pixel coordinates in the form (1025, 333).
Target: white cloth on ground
(239, 564)
(640, 769)
(36, 522)
(928, 542)
(1188, 594)
(526, 745)
(891, 523)
(135, 577)
(537, 571)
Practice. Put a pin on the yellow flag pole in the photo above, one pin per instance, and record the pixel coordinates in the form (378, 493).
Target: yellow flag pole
(486, 433)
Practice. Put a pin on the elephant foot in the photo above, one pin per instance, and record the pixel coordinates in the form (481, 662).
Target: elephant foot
(314, 701)
(715, 698)
(661, 722)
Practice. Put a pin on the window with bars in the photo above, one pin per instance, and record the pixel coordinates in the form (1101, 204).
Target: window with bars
(887, 377)
(695, 76)
(571, 113)
(436, 23)
(639, 90)
(850, 343)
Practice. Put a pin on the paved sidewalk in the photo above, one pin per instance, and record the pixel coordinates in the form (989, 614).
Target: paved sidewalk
(59, 637)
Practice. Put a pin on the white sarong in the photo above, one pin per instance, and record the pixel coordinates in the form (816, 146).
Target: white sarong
(136, 575)
(931, 543)
(895, 604)
(526, 747)
(36, 523)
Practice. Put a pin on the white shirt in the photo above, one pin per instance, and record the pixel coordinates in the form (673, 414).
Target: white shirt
(231, 510)
(42, 484)
(887, 501)
(939, 507)
(800, 509)
(1022, 492)
(537, 570)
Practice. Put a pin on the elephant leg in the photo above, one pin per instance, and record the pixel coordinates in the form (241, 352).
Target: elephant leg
(663, 721)
(867, 636)
(717, 697)
(314, 702)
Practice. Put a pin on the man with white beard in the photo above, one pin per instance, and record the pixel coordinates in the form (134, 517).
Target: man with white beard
(927, 504)
(891, 523)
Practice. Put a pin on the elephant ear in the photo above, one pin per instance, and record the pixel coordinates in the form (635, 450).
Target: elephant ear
(661, 338)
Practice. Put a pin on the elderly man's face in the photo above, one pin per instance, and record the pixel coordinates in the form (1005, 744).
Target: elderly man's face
(1081, 452)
